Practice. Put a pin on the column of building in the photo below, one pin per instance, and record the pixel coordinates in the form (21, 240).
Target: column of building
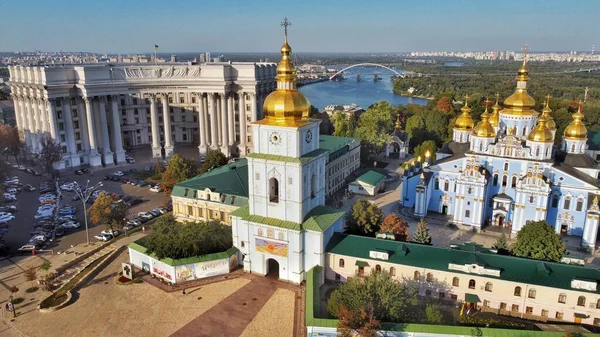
(224, 126)
(51, 107)
(117, 137)
(71, 154)
(24, 121)
(94, 156)
(35, 108)
(156, 153)
(45, 128)
(213, 121)
(107, 154)
(202, 125)
(31, 125)
(18, 114)
(243, 128)
(231, 118)
(254, 116)
(83, 128)
(167, 125)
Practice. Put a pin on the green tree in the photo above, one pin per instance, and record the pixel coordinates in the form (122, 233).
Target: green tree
(537, 240)
(178, 170)
(421, 149)
(178, 241)
(375, 126)
(501, 244)
(433, 313)
(422, 233)
(107, 211)
(392, 223)
(213, 159)
(341, 124)
(50, 153)
(364, 218)
(391, 300)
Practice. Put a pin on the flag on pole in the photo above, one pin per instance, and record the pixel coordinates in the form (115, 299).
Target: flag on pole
(155, 47)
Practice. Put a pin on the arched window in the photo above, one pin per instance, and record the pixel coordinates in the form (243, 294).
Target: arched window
(505, 166)
(567, 204)
(562, 298)
(537, 151)
(471, 284)
(469, 190)
(555, 201)
(446, 185)
(531, 293)
(455, 282)
(467, 213)
(437, 183)
(480, 146)
(573, 148)
(598, 304)
(429, 277)
(524, 131)
(342, 263)
(504, 180)
(513, 184)
(579, 206)
(417, 276)
(378, 268)
(495, 179)
(581, 301)
(461, 138)
(313, 185)
(518, 291)
(547, 151)
(274, 190)
(392, 271)
(531, 199)
(488, 286)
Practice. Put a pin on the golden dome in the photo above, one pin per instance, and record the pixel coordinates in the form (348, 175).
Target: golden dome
(495, 117)
(546, 113)
(541, 133)
(484, 128)
(576, 130)
(464, 121)
(286, 105)
(520, 103)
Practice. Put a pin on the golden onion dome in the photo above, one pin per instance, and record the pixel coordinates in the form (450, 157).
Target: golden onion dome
(464, 121)
(495, 117)
(541, 133)
(520, 103)
(576, 130)
(546, 113)
(484, 128)
(286, 105)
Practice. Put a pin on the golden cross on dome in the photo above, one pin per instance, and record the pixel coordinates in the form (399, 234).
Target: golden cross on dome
(285, 24)
(548, 99)
(525, 53)
(467, 100)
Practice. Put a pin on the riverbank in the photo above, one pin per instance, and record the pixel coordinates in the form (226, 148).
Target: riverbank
(311, 81)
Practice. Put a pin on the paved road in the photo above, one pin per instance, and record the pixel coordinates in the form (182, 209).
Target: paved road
(27, 204)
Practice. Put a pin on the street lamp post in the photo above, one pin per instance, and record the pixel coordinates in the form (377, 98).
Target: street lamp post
(84, 196)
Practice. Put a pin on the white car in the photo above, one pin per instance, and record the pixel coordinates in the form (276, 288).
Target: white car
(46, 208)
(103, 237)
(96, 193)
(70, 225)
(66, 218)
(27, 248)
(155, 189)
(6, 218)
(145, 215)
(67, 187)
(21, 168)
(43, 214)
(134, 222)
(110, 232)
(11, 190)
(38, 239)
(8, 196)
(118, 173)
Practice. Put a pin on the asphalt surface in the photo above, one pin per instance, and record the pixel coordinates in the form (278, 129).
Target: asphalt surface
(27, 204)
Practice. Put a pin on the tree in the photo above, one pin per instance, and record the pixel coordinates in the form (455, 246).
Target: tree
(364, 218)
(361, 323)
(422, 233)
(391, 300)
(178, 241)
(108, 212)
(326, 126)
(213, 159)
(30, 274)
(375, 126)
(392, 223)
(178, 170)
(50, 153)
(421, 149)
(341, 124)
(501, 245)
(48, 276)
(433, 313)
(9, 140)
(537, 240)
(444, 104)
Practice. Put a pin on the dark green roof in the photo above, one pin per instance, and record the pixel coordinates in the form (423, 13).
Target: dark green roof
(140, 246)
(543, 273)
(593, 140)
(230, 180)
(334, 143)
(371, 178)
(319, 219)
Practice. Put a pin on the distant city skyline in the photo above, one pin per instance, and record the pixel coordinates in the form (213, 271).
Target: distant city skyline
(352, 26)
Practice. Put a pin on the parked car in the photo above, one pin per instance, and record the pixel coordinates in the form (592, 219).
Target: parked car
(136, 201)
(66, 218)
(10, 197)
(27, 248)
(70, 225)
(68, 187)
(110, 232)
(37, 173)
(103, 237)
(134, 222)
(59, 232)
(8, 209)
(29, 188)
(118, 173)
(41, 215)
(129, 160)
(6, 218)
(21, 168)
(79, 172)
(28, 170)
(155, 212)
(163, 210)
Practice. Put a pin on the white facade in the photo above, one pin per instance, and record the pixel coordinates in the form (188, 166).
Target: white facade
(95, 111)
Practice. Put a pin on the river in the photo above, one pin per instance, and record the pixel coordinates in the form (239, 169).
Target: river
(363, 93)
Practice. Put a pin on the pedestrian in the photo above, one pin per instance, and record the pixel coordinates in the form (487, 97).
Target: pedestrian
(183, 292)
(143, 229)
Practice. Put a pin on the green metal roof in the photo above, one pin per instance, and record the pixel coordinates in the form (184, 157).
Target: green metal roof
(334, 143)
(543, 273)
(593, 140)
(231, 181)
(319, 219)
(371, 178)
(267, 156)
(471, 298)
(139, 246)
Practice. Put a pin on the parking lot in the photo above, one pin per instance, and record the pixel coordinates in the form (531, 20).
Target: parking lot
(27, 204)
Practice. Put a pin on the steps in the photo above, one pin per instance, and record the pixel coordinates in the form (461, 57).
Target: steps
(72, 271)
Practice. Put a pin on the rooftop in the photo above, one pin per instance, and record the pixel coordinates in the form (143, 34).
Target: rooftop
(319, 219)
(140, 246)
(371, 178)
(542, 273)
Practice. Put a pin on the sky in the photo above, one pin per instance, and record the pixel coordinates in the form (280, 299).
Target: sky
(135, 26)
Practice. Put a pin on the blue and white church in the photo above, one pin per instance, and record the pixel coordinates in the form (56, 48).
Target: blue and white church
(505, 171)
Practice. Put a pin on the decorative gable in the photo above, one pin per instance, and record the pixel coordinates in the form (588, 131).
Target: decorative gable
(474, 269)
(582, 284)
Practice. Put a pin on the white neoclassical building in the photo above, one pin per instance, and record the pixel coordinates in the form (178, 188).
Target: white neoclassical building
(95, 111)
